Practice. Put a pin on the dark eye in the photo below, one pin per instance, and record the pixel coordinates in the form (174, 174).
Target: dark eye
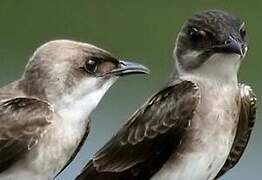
(195, 34)
(91, 64)
(243, 33)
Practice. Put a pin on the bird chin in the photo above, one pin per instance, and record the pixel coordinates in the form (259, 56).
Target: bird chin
(226, 56)
(219, 67)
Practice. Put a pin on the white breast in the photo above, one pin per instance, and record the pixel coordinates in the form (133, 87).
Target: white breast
(207, 143)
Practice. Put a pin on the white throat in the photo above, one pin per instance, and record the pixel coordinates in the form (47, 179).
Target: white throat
(220, 68)
(77, 106)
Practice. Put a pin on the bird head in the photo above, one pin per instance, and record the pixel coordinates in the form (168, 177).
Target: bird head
(212, 41)
(68, 70)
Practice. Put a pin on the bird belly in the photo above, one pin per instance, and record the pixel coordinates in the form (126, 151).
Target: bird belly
(206, 144)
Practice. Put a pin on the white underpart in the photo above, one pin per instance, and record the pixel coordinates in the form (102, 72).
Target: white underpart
(75, 108)
(209, 137)
(56, 147)
(83, 100)
(219, 67)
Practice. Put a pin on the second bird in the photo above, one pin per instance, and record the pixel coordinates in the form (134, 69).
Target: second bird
(198, 125)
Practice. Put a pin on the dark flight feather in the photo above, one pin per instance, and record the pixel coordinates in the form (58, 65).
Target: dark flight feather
(146, 141)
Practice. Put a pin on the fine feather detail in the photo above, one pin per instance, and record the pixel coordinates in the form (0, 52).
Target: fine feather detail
(245, 127)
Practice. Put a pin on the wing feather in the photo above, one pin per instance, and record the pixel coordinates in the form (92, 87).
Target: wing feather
(149, 137)
(23, 121)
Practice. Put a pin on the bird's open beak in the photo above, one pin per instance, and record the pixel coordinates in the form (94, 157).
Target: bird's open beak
(127, 67)
(232, 46)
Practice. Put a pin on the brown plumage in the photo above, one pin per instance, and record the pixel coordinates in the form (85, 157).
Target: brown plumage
(145, 142)
(23, 122)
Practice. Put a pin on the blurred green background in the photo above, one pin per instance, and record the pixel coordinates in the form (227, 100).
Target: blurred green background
(142, 30)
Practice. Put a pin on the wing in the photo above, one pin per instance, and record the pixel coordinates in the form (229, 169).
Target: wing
(80, 145)
(245, 127)
(23, 121)
(148, 138)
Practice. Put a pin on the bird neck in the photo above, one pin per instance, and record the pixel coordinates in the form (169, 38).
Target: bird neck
(78, 105)
(219, 69)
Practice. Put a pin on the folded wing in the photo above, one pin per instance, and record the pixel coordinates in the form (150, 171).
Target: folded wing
(23, 122)
(145, 142)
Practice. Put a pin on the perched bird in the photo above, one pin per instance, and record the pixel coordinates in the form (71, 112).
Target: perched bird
(45, 114)
(198, 125)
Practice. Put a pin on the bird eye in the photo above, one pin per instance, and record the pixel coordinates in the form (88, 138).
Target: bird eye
(195, 34)
(243, 33)
(91, 65)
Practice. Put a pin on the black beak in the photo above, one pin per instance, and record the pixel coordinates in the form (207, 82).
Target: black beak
(126, 68)
(232, 46)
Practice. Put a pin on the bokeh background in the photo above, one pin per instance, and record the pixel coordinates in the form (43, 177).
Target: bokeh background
(144, 31)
